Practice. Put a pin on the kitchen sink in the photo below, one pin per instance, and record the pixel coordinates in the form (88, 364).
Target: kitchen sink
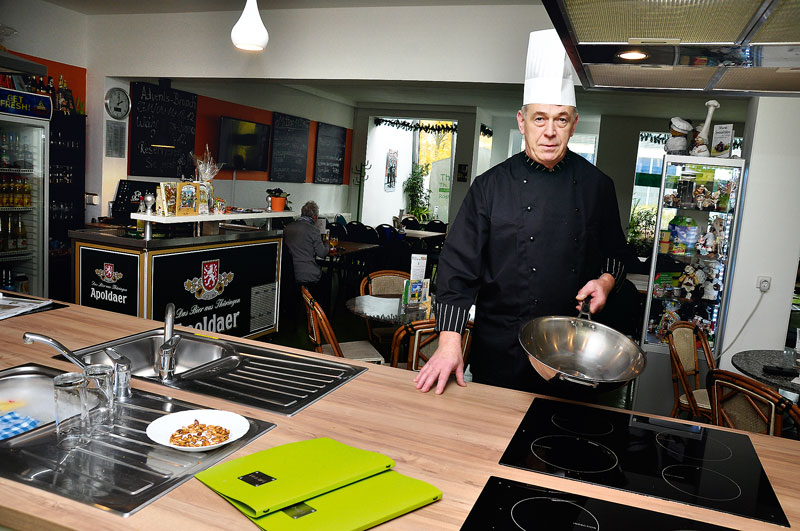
(121, 470)
(252, 375)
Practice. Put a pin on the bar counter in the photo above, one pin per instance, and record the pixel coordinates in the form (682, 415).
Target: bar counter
(453, 441)
(226, 282)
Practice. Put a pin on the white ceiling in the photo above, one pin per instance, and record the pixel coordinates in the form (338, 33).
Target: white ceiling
(123, 7)
(494, 99)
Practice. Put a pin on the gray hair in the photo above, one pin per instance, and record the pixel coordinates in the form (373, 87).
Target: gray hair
(310, 209)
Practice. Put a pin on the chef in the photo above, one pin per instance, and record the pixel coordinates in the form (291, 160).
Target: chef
(533, 234)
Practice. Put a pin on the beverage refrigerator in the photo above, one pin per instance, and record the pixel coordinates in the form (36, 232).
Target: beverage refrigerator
(24, 165)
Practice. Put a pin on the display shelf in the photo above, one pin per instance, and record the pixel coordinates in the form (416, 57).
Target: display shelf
(153, 218)
(15, 209)
(17, 171)
(706, 277)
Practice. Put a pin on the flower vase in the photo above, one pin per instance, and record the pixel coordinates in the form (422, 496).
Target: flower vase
(278, 203)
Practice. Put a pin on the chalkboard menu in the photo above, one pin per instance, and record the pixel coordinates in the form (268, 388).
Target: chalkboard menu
(161, 116)
(289, 148)
(329, 165)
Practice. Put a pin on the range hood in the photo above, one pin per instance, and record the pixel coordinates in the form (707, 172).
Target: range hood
(11, 64)
(734, 47)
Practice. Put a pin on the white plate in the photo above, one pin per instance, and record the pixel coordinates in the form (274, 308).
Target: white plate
(162, 428)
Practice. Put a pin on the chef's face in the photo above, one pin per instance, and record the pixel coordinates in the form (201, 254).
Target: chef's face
(547, 130)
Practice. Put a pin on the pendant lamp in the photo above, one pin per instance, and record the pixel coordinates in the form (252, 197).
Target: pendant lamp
(249, 33)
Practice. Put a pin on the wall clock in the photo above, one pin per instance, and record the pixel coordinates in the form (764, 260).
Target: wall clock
(118, 103)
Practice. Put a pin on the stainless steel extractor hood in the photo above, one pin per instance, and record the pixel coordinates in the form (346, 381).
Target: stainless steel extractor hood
(11, 64)
(744, 47)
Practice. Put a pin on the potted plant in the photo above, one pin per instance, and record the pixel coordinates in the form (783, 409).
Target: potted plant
(642, 229)
(277, 199)
(417, 193)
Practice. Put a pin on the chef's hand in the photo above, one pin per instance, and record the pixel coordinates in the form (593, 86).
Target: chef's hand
(446, 360)
(598, 289)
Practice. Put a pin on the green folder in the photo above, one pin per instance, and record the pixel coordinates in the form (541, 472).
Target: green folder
(357, 506)
(270, 480)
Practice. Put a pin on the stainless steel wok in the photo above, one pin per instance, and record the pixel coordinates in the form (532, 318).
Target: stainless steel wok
(578, 354)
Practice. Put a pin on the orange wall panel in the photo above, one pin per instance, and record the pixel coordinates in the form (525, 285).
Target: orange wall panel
(74, 75)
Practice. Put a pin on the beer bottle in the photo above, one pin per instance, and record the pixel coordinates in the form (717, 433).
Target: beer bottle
(5, 161)
(16, 197)
(11, 235)
(22, 234)
(4, 191)
(3, 235)
(27, 196)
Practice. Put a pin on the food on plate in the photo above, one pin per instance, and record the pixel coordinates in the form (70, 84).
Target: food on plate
(197, 434)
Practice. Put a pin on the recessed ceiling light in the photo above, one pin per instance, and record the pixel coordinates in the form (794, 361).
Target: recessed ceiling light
(633, 55)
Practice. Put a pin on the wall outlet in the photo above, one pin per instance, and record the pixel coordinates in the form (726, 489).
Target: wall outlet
(92, 199)
(764, 284)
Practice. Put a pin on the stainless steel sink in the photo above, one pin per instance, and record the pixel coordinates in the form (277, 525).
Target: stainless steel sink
(120, 471)
(192, 351)
(256, 376)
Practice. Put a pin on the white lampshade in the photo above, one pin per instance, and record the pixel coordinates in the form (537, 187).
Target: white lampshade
(249, 33)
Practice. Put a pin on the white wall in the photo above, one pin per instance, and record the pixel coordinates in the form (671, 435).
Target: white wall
(46, 30)
(769, 242)
(379, 206)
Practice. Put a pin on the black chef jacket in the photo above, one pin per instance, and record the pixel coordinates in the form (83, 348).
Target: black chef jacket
(525, 240)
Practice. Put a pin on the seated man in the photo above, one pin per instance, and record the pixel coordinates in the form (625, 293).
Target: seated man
(304, 243)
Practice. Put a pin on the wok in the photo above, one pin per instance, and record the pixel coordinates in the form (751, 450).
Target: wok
(578, 355)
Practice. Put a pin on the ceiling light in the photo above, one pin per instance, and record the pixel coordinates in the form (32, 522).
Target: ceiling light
(249, 33)
(632, 55)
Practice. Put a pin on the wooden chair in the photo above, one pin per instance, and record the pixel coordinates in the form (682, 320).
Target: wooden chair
(384, 282)
(355, 229)
(324, 340)
(745, 404)
(420, 339)
(690, 397)
(338, 230)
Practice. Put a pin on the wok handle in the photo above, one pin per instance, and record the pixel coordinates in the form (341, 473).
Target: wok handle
(577, 381)
(584, 312)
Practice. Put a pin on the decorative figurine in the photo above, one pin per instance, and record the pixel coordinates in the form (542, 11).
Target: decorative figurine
(700, 148)
(678, 143)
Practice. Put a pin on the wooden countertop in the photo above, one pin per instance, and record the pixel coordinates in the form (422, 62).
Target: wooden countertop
(453, 441)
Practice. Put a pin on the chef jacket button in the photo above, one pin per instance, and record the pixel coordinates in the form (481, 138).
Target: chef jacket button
(576, 239)
(532, 238)
(524, 181)
(574, 181)
(528, 208)
(577, 210)
(535, 301)
(572, 269)
(533, 270)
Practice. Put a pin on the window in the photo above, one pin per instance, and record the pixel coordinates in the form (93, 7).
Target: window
(584, 145)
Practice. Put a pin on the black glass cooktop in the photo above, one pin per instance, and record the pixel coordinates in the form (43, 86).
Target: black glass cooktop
(506, 505)
(690, 464)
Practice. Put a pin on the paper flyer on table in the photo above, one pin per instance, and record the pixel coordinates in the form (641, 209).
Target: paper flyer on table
(11, 306)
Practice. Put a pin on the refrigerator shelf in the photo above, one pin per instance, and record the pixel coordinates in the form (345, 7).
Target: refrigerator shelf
(17, 171)
(16, 209)
(15, 256)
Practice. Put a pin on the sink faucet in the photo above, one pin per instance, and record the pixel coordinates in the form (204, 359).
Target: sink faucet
(169, 322)
(29, 338)
(122, 365)
(165, 359)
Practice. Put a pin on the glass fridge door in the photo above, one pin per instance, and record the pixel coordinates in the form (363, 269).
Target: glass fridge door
(23, 174)
(694, 248)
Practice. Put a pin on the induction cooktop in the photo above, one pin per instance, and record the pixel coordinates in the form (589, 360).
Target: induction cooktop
(507, 505)
(696, 465)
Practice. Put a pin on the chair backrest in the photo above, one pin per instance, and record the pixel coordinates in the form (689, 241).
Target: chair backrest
(410, 222)
(436, 225)
(354, 230)
(682, 338)
(319, 328)
(386, 233)
(369, 235)
(338, 230)
(742, 403)
(423, 339)
(384, 282)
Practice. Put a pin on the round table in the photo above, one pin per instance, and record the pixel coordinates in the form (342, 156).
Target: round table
(387, 309)
(751, 363)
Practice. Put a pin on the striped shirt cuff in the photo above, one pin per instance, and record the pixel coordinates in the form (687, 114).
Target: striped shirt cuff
(615, 268)
(450, 318)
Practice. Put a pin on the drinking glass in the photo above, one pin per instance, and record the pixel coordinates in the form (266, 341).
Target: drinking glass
(334, 241)
(69, 394)
(99, 397)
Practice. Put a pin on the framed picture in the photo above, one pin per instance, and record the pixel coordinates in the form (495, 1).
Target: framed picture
(391, 171)
(187, 199)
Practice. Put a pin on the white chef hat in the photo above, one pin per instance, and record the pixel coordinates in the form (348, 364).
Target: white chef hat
(548, 73)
